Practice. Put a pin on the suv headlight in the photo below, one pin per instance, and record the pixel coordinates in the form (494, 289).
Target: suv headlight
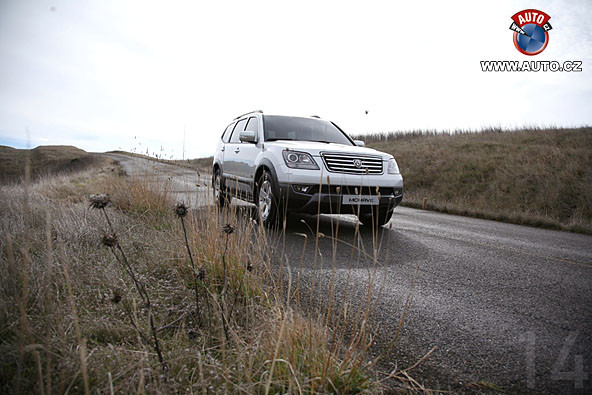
(393, 168)
(299, 160)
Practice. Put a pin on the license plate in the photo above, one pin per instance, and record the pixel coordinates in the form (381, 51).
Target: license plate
(360, 200)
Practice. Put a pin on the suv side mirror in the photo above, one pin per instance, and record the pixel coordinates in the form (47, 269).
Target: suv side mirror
(247, 136)
(359, 143)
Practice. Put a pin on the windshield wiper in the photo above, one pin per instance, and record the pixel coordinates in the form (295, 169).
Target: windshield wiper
(277, 139)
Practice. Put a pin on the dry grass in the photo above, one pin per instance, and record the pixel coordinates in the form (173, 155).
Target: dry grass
(540, 177)
(72, 319)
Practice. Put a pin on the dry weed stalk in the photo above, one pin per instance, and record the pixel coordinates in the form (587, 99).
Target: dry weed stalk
(99, 202)
(228, 229)
(181, 211)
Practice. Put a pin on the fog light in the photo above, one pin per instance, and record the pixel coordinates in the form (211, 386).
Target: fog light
(302, 188)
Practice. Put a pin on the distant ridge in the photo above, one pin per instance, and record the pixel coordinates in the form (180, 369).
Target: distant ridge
(45, 159)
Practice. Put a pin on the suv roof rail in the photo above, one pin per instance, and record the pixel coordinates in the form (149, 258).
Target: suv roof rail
(315, 116)
(247, 113)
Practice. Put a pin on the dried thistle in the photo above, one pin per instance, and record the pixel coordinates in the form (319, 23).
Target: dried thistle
(181, 210)
(201, 274)
(110, 240)
(228, 229)
(99, 200)
(116, 298)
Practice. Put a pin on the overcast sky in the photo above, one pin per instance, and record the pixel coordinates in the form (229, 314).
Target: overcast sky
(105, 75)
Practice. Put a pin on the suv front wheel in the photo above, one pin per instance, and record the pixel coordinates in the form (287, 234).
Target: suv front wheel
(266, 199)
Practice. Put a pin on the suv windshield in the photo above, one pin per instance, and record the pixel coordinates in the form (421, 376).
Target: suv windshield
(307, 129)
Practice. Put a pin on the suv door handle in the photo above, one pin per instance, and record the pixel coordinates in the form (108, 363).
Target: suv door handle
(237, 150)
(222, 149)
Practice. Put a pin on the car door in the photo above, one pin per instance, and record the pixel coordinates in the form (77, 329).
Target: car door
(231, 151)
(221, 148)
(246, 152)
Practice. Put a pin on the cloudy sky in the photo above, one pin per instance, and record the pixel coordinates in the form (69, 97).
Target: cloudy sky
(105, 75)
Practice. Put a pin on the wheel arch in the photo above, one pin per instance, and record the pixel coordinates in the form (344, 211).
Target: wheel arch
(265, 164)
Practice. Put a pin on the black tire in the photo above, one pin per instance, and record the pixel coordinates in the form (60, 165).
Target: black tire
(220, 197)
(267, 200)
(376, 219)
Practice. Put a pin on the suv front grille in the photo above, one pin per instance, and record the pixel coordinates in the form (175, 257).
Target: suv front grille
(352, 163)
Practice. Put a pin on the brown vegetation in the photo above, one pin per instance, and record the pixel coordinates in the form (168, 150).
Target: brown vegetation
(540, 177)
(172, 301)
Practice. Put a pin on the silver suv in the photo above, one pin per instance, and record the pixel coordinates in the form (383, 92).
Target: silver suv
(303, 164)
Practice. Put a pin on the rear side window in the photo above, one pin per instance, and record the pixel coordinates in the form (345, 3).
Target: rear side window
(240, 126)
(226, 135)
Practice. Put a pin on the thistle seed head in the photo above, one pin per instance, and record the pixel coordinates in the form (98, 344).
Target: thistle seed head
(99, 200)
(116, 298)
(201, 274)
(181, 210)
(228, 229)
(109, 240)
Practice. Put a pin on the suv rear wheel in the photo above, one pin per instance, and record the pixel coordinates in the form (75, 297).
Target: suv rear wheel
(219, 194)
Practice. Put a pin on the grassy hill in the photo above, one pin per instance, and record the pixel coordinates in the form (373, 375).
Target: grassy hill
(540, 177)
(48, 159)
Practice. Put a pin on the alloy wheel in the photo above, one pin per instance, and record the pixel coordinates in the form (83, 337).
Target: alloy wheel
(265, 195)
(217, 186)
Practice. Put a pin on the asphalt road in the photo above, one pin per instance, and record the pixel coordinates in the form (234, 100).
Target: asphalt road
(183, 184)
(505, 306)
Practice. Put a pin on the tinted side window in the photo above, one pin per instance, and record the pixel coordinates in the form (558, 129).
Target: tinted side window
(253, 125)
(226, 135)
(240, 126)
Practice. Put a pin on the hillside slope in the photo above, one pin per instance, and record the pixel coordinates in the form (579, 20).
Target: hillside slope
(44, 160)
(535, 177)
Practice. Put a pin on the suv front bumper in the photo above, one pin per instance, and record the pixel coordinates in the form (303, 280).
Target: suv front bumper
(328, 199)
